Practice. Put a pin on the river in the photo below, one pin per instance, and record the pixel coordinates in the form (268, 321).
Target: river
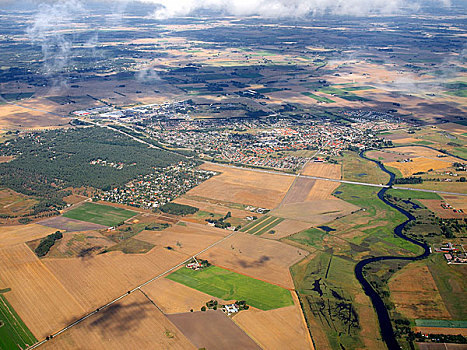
(387, 331)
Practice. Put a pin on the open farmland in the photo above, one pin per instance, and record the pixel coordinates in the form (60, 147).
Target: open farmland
(244, 186)
(357, 169)
(15, 204)
(415, 294)
(257, 257)
(70, 225)
(99, 214)
(227, 285)
(274, 328)
(144, 326)
(331, 171)
(11, 235)
(435, 206)
(419, 164)
(38, 297)
(13, 332)
(223, 332)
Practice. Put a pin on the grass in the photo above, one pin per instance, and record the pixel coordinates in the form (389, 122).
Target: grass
(253, 223)
(441, 323)
(13, 332)
(312, 237)
(229, 285)
(357, 169)
(99, 214)
(132, 246)
(406, 194)
(262, 224)
(426, 143)
(318, 98)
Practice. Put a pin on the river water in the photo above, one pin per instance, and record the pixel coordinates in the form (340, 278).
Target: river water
(387, 331)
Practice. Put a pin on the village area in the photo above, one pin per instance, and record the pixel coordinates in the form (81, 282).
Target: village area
(277, 141)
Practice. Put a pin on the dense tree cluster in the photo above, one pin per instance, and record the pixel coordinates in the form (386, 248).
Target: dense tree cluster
(178, 209)
(47, 243)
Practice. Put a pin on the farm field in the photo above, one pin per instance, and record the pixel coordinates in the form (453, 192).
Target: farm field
(99, 214)
(415, 294)
(172, 297)
(144, 327)
(274, 328)
(11, 235)
(15, 204)
(244, 186)
(70, 225)
(228, 285)
(254, 256)
(331, 171)
(435, 206)
(215, 208)
(456, 201)
(13, 332)
(263, 225)
(223, 332)
(419, 164)
(38, 297)
(299, 191)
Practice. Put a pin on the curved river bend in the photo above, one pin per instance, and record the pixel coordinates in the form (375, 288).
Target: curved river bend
(387, 332)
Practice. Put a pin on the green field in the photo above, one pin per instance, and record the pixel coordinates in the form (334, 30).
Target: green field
(13, 332)
(441, 323)
(229, 285)
(412, 194)
(318, 98)
(99, 214)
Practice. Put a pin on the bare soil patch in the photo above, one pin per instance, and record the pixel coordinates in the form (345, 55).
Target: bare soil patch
(223, 332)
(11, 235)
(70, 225)
(331, 171)
(299, 191)
(435, 206)
(287, 228)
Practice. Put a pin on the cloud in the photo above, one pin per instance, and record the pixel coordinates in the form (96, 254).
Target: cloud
(50, 29)
(285, 8)
(147, 75)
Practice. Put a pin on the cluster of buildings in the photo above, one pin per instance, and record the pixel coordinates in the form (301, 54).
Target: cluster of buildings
(159, 187)
(452, 254)
(118, 165)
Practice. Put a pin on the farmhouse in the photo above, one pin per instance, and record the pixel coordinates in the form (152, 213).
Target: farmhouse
(230, 309)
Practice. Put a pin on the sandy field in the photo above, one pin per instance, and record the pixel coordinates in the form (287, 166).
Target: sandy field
(435, 206)
(419, 164)
(315, 212)
(331, 171)
(452, 127)
(256, 257)
(132, 323)
(274, 328)
(322, 189)
(244, 186)
(223, 333)
(415, 294)
(299, 191)
(10, 235)
(37, 296)
(287, 228)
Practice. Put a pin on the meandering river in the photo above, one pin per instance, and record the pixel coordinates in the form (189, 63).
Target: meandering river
(387, 332)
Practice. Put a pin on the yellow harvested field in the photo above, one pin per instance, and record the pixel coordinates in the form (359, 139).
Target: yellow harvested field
(322, 189)
(256, 257)
(97, 279)
(405, 140)
(244, 186)
(172, 297)
(213, 208)
(10, 235)
(415, 295)
(315, 212)
(19, 117)
(331, 171)
(435, 206)
(132, 323)
(419, 164)
(276, 329)
(287, 228)
(187, 240)
(37, 296)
